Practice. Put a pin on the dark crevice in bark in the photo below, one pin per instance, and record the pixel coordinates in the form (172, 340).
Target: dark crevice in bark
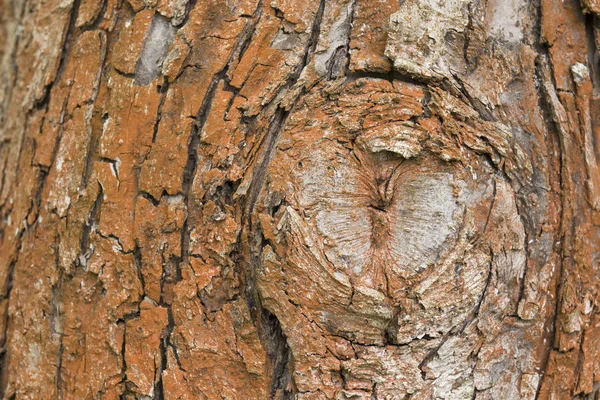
(4, 211)
(188, 10)
(248, 34)
(474, 102)
(202, 114)
(4, 338)
(124, 74)
(69, 38)
(578, 391)
(277, 348)
(430, 355)
(278, 122)
(346, 69)
(460, 328)
(487, 220)
(56, 319)
(170, 327)
(14, 66)
(374, 391)
(546, 84)
(40, 104)
(95, 23)
(192, 161)
(164, 195)
(162, 89)
(127, 393)
(279, 353)
(390, 76)
(150, 198)
(137, 257)
(187, 182)
(89, 226)
(544, 77)
(96, 117)
(593, 58)
(164, 342)
(93, 144)
(313, 41)
(338, 64)
(114, 167)
(171, 275)
(529, 233)
(468, 30)
(258, 177)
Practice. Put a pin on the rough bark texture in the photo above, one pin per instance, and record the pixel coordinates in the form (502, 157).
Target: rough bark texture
(349, 199)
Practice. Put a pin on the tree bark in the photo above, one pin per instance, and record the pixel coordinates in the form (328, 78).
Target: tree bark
(337, 199)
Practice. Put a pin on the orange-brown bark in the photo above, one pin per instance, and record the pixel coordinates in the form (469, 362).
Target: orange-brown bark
(250, 199)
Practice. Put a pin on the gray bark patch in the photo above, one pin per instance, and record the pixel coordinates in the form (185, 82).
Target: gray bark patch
(156, 45)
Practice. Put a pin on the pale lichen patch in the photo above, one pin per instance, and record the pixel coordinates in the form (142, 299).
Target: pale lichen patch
(159, 37)
(425, 37)
(507, 19)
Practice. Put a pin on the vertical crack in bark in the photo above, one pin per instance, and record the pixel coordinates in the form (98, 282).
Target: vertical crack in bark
(269, 145)
(45, 170)
(468, 31)
(248, 33)
(137, 257)
(85, 251)
(279, 120)
(188, 9)
(163, 89)
(201, 117)
(338, 63)
(35, 207)
(14, 66)
(66, 46)
(4, 338)
(3, 211)
(56, 317)
(94, 24)
(95, 133)
(188, 177)
(547, 99)
(593, 57)
(460, 328)
(192, 161)
(484, 112)
(277, 348)
(165, 343)
(346, 68)
(124, 379)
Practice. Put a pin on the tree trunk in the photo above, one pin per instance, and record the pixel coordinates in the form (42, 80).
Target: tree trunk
(247, 199)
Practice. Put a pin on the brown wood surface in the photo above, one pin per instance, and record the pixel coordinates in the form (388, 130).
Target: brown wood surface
(334, 199)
